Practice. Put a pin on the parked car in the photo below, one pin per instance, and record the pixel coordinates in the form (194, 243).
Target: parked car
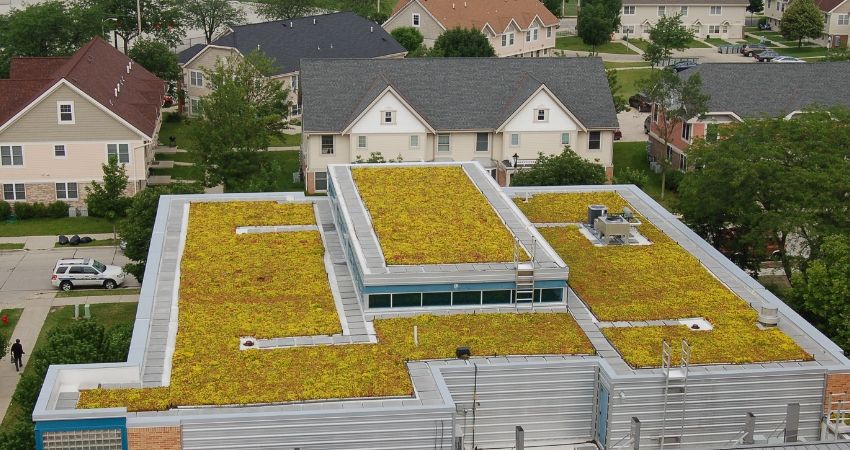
(786, 59)
(72, 272)
(766, 56)
(752, 49)
(683, 65)
(646, 124)
(764, 26)
(640, 102)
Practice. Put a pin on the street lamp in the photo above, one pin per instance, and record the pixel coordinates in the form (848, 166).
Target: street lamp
(516, 159)
(103, 31)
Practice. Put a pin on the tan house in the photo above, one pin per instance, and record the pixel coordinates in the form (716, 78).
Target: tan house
(723, 19)
(286, 42)
(514, 27)
(836, 20)
(500, 112)
(62, 118)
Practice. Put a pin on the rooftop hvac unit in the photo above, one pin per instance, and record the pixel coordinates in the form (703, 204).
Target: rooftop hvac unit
(769, 316)
(612, 227)
(594, 212)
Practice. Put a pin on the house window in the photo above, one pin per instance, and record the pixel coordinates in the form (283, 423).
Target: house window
(725, 29)
(548, 32)
(695, 29)
(11, 155)
(683, 162)
(683, 11)
(844, 19)
(194, 106)
(65, 111)
(686, 131)
(510, 39)
(514, 139)
(196, 78)
(669, 153)
(565, 138)
(714, 29)
(594, 140)
(14, 192)
(387, 117)
(320, 182)
(66, 191)
(662, 11)
(534, 34)
(628, 29)
(296, 82)
(415, 19)
(769, 3)
(59, 151)
(541, 115)
(119, 151)
(443, 142)
(504, 40)
(414, 141)
(327, 144)
(716, 10)
(361, 141)
(482, 142)
(629, 10)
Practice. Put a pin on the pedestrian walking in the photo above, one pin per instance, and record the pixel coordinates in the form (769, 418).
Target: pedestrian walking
(17, 353)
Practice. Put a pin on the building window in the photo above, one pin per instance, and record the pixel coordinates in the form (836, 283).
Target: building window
(683, 11)
(669, 153)
(714, 29)
(415, 19)
(510, 39)
(844, 19)
(14, 192)
(541, 115)
(443, 142)
(514, 139)
(387, 117)
(716, 10)
(327, 144)
(361, 141)
(628, 29)
(534, 34)
(686, 131)
(414, 141)
(548, 32)
(482, 142)
(504, 40)
(196, 78)
(119, 151)
(320, 182)
(594, 140)
(66, 191)
(565, 138)
(11, 155)
(769, 3)
(662, 11)
(65, 111)
(59, 151)
(629, 10)
(725, 29)
(683, 162)
(296, 82)
(194, 106)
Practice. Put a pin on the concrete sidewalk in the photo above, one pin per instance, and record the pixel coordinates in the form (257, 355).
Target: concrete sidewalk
(48, 242)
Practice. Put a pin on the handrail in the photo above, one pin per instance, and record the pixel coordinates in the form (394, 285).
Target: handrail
(627, 437)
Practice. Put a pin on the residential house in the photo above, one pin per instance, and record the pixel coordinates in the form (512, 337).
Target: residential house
(286, 42)
(723, 19)
(514, 27)
(62, 118)
(500, 112)
(836, 20)
(737, 93)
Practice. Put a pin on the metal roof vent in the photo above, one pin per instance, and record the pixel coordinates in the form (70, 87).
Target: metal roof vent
(769, 316)
(314, 21)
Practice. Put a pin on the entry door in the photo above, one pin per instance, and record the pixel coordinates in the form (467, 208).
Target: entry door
(602, 416)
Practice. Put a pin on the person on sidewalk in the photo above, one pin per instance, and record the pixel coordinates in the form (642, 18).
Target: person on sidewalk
(17, 353)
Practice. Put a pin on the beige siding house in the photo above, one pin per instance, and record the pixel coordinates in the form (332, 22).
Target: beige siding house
(286, 42)
(836, 20)
(514, 28)
(62, 118)
(502, 113)
(722, 19)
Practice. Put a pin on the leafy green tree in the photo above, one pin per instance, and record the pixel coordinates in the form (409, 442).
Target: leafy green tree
(630, 175)
(802, 19)
(161, 19)
(52, 28)
(554, 6)
(612, 10)
(238, 119)
(285, 9)
(556, 170)
(211, 15)
(410, 38)
(594, 26)
(678, 100)
(460, 42)
(137, 228)
(755, 6)
(667, 35)
(775, 181)
(19, 435)
(106, 199)
(620, 101)
(156, 57)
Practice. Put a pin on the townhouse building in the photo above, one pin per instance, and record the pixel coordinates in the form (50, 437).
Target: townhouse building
(522, 28)
(722, 19)
(836, 20)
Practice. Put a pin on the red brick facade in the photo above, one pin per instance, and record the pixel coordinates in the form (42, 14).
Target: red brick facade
(836, 383)
(154, 438)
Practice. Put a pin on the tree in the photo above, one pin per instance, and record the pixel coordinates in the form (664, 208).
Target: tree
(773, 181)
(106, 199)
(459, 42)
(620, 102)
(137, 228)
(284, 9)
(755, 6)
(161, 19)
(802, 19)
(594, 26)
(156, 57)
(410, 38)
(822, 292)
(238, 119)
(211, 15)
(52, 28)
(667, 35)
(678, 100)
(554, 6)
(556, 170)
(612, 10)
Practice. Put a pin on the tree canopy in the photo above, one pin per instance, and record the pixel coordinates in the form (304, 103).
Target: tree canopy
(161, 19)
(556, 170)
(802, 19)
(285, 9)
(594, 25)
(460, 42)
(410, 38)
(106, 199)
(156, 57)
(755, 6)
(211, 15)
(667, 35)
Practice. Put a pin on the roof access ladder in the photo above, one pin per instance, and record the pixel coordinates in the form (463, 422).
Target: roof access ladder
(524, 293)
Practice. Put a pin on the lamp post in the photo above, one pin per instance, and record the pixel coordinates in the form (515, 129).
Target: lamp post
(102, 21)
(516, 160)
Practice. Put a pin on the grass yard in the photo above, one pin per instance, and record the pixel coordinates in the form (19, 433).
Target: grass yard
(180, 172)
(54, 227)
(621, 65)
(11, 245)
(693, 43)
(6, 330)
(290, 163)
(574, 43)
(807, 52)
(717, 42)
(639, 43)
(570, 9)
(97, 292)
(633, 154)
(178, 157)
(93, 243)
(286, 140)
(180, 130)
(629, 79)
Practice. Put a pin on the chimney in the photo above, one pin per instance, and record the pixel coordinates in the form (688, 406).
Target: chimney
(290, 24)
(453, 6)
(372, 29)
(115, 91)
(118, 87)
(314, 21)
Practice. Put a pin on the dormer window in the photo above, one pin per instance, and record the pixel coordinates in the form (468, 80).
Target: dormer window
(415, 19)
(541, 115)
(65, 111)
(388, 117)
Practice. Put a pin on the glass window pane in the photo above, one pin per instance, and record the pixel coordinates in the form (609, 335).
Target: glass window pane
(493, 297)
(467, 298)
(407, 300)
(72, 190)
(379, 300)
(436, 298)
(552, 295)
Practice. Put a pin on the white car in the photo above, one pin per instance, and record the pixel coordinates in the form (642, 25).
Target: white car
(787, 59)
(73, 272)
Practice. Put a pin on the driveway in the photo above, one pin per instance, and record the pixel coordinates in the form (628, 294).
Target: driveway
(631, 125)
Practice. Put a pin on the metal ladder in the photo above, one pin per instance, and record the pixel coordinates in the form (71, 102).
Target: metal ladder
(524, 293)
(678, 374)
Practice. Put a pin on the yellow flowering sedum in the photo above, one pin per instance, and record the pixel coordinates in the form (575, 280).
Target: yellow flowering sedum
(432, 215)
(567, 208)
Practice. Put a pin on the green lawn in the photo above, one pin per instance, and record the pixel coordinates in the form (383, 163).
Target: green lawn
(639, 43)
(97, 292)
(179, 157)
(628, 80)
(570, 9)
(180, 172)
(619, 65)
(55, 227)
(11, 246)
(6, 330)
(693, 43)
(286, 140)
(93, 243)
(106, 314)
(574, 43)
(717, 42)
(290, 163)
(180, 130)
(633, 154)
(802, 51)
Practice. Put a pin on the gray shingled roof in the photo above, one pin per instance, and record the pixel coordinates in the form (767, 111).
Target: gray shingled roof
(756, 90)
(184, 56)
(453, 93)
(336, 35)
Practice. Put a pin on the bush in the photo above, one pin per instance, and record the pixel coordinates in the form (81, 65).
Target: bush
(20, 435)
(57, 210)
(24, 211)
(762, 21)
(5, 210)
(172, 117)
(629, 175)
(39, 210)
(674, 178)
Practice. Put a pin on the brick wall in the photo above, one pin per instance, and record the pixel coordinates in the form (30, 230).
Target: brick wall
(836, 383)
(154, 438)
(46, 192)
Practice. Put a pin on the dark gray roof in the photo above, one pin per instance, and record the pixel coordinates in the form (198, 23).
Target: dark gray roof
(336, 35)
(453, 93)
(184, 56)
(765, 89)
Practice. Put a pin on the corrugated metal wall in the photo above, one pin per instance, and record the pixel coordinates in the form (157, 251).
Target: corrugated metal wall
(420, 429)
(554, 403)
(716, 407)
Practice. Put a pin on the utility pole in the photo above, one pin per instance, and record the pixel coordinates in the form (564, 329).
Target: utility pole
(139, 16)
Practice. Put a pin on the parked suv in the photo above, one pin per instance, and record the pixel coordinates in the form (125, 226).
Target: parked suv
(70, 273)
(753, 49)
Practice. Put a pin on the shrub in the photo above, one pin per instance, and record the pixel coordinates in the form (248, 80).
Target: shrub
(674, 177)
(762, 21)
(57, 210)
(24, 211)
(629, 175)
(39, 210)
(172, 117)
(20, 435)
(5, 210)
